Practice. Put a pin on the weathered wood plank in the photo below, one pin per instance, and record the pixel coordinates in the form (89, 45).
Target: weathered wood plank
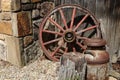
(72, 67)
(90, 5)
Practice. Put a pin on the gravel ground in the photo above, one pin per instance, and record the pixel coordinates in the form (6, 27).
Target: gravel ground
(38, 70)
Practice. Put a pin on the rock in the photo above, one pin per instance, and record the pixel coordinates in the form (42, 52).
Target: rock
(35, 14)
(46, 7)
(22, 23)
(15, 5)
(26, 7)
(28, 40)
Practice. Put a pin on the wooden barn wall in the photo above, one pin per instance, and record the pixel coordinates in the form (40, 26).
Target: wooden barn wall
(108, 14)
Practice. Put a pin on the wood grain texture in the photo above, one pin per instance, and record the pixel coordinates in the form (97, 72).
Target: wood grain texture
(73, 67)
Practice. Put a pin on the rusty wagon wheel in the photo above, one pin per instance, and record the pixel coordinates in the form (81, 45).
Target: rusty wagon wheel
(58, 35)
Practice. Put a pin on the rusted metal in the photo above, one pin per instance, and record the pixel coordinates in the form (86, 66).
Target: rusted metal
(95, 42)
(96, 53)
(65, 36)
(97, 56)
(97, 72)
(69, 36)
(97, 59)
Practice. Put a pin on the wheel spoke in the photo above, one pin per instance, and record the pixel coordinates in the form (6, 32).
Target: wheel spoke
(57, 25)
(53, 53)
(72, 19)
(66, 50)
(81, 22)
(58, 57)
(81, 45)
(63, 18)
(84, 38)
(52, 32)
(89, 28)
(52, 41)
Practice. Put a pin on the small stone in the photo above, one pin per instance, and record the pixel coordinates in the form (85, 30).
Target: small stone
(114, 58)
(27, 40)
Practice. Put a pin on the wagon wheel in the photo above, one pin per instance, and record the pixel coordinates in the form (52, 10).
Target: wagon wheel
(60, 36)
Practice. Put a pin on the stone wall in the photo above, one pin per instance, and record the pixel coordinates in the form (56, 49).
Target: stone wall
(19, 26)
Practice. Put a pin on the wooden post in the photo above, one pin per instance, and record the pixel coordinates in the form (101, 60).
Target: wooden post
(72, 67)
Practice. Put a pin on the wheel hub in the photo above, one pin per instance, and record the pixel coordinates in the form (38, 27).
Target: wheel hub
(69, 36)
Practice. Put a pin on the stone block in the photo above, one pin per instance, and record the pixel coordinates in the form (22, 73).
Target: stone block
(34, 1)
(14, 50)
(46, 7)
(22, 23)
(25, 1)
(6, 27)
(26, 7)
(5, 16)
(35, 5)
(38, 6)
(16, 5)
(32, 52)
(35, 14)
(28, 40)
(10, 5)
(6, 5)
